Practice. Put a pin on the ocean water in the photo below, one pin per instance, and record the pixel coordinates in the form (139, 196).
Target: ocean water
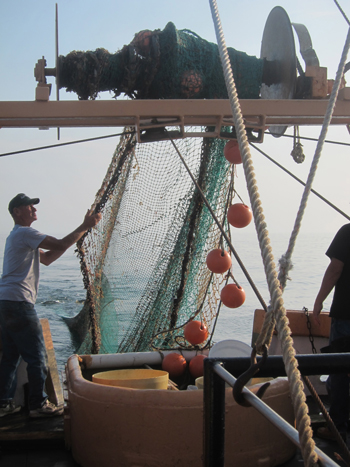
(61, 291)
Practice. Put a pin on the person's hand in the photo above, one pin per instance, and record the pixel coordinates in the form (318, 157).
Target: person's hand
(90, 220)
(316, 312)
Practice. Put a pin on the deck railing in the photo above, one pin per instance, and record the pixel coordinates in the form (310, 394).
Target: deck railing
(217, 372)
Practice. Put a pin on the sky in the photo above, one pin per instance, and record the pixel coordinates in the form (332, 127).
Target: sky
(66, 179)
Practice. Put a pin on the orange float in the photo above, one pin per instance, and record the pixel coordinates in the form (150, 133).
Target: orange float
(239, 215)
(232, 296)
(232, 152)
(195, 332)
(196, 366)
(218, 261)
(175, 364)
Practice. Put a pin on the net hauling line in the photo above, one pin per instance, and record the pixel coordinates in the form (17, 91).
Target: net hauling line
(276, 311)
(277, 308)
(224, 234)
(325, 200)
(86, 140)
(285, 261)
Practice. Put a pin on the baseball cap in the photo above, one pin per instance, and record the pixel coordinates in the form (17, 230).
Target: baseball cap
(21, 200)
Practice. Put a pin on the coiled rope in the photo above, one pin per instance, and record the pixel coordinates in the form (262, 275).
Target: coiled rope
(285, 261)
(276, 310)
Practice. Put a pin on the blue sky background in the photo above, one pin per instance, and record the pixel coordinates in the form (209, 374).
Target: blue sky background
(66, 179)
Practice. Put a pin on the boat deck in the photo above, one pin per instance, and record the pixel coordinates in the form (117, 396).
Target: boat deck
(52, 453)
(26, 442)
(48, 453)
(19, 427)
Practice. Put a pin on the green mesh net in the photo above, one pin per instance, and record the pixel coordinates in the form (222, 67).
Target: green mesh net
(167, 64)
(144, 265)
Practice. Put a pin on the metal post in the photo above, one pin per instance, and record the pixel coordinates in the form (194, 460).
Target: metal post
(214, 417)
(214, 440)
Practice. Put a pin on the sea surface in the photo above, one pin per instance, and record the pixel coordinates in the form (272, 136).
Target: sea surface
(61, 291)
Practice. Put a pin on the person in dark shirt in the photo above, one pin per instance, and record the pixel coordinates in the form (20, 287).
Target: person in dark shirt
(337, 276)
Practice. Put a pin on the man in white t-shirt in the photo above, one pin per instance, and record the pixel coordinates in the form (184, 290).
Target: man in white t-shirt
(21, 330)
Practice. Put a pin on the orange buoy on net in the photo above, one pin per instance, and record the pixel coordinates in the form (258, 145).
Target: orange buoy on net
(218, 261)
(232, 296)
(175, 364)
(232, 152)
(196, 366)
(239, 215)
(195, 332)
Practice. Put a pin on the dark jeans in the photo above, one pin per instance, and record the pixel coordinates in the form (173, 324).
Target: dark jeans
(338, 384)
(22, 336)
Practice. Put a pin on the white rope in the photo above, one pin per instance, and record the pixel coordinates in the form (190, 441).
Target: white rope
(290, 362)
(285, 261)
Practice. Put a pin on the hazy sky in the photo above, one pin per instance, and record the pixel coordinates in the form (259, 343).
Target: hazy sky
(66, 179)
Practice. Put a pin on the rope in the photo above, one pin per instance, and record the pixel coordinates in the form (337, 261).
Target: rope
(22, 151)
(285, 261)
(229, 243)
(297, 393)
(342, 12)
(308, 138)
(325, 200)
(328, 419)
(50, 146)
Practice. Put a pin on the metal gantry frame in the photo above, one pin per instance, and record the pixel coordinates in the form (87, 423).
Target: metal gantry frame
(184, 115)
(258, 114)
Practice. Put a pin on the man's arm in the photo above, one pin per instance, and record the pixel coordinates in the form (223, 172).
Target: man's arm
(56, 247)
(330, 278)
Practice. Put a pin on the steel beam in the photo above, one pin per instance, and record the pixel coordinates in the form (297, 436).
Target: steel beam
(145, 114)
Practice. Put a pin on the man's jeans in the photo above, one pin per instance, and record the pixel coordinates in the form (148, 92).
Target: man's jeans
(22, 336)
(338, 384)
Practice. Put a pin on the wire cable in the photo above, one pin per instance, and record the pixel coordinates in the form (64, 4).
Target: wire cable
(51, 146)
(301, 182)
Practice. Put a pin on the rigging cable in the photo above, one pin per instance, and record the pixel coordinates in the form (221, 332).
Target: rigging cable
(306, 138)
(276, 309)
(342, 12)
(285, 261)
(86, 140)
(66, 144)
(224, 234)
(301, 182)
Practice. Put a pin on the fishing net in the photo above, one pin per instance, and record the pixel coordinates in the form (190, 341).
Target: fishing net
(144, 265)
(161, 64)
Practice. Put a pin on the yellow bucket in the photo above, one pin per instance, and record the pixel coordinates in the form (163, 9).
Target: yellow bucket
(199, 382)
(137, 379)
